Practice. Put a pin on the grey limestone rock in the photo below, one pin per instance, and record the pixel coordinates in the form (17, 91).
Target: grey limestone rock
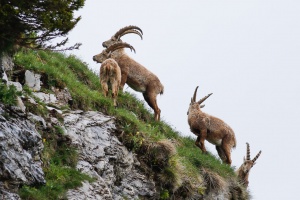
(105, 158)
(20, 145)
(33, 80)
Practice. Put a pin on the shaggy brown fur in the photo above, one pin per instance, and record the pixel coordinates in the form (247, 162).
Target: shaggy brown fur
(243, 171)
(210, 128)
(110, 77)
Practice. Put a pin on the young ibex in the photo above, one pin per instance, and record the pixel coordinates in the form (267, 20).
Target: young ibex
(110, 72)
(243, 171)
(134, 74)
(110, 77)
(210, 128)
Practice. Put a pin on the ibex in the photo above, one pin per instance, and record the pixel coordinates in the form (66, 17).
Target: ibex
(134, 74)
(110, 72)
(210, 128)
(110, 77)
(243, 171)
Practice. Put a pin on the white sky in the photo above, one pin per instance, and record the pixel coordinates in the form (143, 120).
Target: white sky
(246, 52)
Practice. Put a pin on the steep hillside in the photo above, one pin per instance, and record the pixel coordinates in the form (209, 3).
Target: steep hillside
(157, 157)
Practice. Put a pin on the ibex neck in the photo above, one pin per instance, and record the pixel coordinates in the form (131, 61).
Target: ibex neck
(118, 54)
(242, 175)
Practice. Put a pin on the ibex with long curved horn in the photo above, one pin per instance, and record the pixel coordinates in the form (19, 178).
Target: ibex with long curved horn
(110, 72)
(134, 74)
(244, 170)
(210, 128)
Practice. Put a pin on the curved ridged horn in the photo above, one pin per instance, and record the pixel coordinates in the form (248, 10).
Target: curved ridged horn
(130, 31)
(248, 151)
(119, 45)
(126, 28)
(195, 94)
(254, 159)
(204, 98)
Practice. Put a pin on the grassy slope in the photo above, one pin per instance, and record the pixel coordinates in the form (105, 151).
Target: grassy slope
(140, 131)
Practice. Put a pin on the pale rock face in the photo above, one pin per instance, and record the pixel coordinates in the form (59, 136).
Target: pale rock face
(105, 158)
(33, 80)
(7, 62)
(16, 84)
(3, 76)
(21, 147)
(46, 98)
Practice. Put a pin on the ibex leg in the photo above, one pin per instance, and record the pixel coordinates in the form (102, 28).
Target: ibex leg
(221, 153)
(123, 80)
(151, 100)
(203, 136)
(104, 88)
(115, 90)
(225, 146)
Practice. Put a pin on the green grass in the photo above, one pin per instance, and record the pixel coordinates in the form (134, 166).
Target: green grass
(194, 159)
(59, 180)
(133, 118)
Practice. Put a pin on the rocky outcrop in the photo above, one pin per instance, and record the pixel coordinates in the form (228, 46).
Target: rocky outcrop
(105, 158)
(6, 64)
(20, 150)
(101, 154)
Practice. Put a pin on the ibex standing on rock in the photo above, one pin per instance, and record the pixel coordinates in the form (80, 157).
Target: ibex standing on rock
(210, 128)
(134, 74)
(243, 171)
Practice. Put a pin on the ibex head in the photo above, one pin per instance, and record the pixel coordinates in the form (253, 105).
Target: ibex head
(106, 53)
(196, 105)
(248, 163)
(123, 31)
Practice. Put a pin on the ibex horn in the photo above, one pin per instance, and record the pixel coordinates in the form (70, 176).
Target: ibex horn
(195, 94)
(119, 45)
(126, 28)
(204, 98)
(248, 151)
(254, 159)
(130, 31)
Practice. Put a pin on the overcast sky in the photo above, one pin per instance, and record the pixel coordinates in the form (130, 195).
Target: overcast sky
(247, 53)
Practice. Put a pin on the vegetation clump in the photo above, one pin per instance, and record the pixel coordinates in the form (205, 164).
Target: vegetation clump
(8, 94)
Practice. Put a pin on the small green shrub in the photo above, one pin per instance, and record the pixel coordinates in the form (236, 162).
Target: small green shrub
(8, 95)
(164, 195)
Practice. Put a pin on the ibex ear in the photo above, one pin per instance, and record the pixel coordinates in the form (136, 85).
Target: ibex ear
(202, 106)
